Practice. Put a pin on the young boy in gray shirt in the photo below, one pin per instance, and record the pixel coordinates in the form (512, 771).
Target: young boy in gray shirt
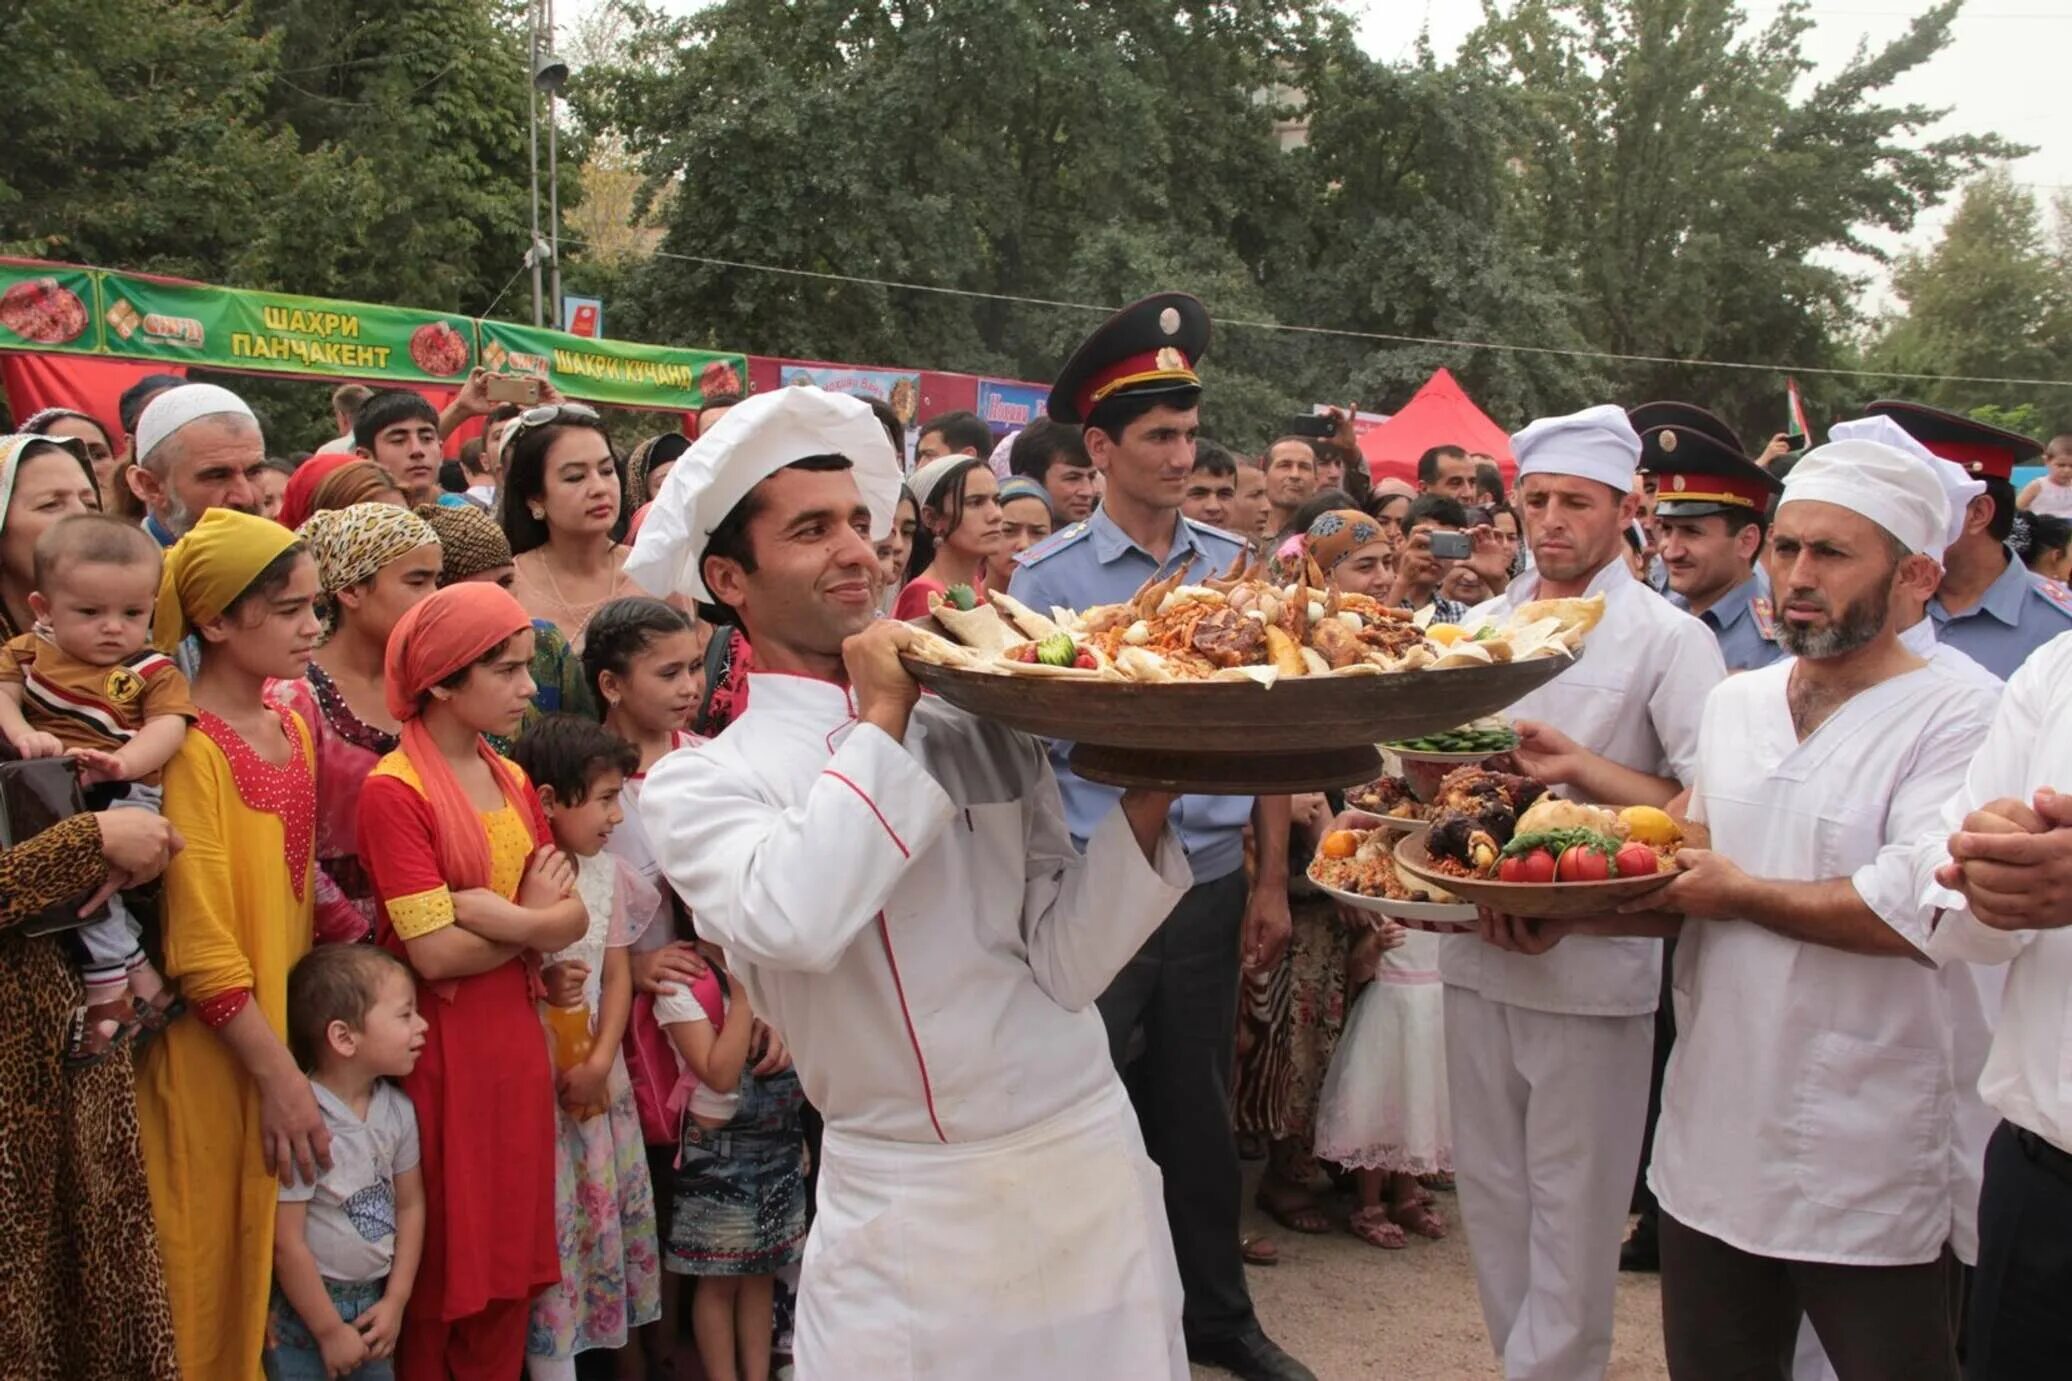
(346, 1247)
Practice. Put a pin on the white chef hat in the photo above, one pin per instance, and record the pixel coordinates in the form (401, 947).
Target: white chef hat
(755, 440)
(1594, 444)
(1888, 485)
(176, 407)
(1958, 487)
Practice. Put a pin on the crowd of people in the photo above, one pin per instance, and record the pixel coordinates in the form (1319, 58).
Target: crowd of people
(510, 887)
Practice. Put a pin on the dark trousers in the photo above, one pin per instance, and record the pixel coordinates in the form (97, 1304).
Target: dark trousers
(1730, 1315)
(2021, 1298)
(1180, 991)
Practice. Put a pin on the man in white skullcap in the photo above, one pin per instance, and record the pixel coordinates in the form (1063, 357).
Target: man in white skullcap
(198, 447)
(1803, 1159)
(1548, 1057)
(896, 884)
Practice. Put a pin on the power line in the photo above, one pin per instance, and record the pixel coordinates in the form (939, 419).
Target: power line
(1391, 338)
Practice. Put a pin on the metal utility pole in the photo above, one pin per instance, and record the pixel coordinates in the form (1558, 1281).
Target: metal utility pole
(532, 99)
(553, 182)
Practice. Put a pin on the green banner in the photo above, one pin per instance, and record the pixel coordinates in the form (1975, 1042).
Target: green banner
(276, 333)
(44, 307)
(613, 371)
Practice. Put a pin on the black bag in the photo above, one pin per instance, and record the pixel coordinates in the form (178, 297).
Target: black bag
(36, 794)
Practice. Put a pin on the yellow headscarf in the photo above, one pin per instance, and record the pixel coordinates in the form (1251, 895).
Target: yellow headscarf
(210, 567)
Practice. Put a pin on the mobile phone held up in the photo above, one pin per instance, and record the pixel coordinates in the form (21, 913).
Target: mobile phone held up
(1452, 546)
(1311, 425)
(522, 389)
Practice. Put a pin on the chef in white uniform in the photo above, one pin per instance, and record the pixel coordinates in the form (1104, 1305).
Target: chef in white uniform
(2007, 901)
(895, 883)
(1548, 1057)
(1803, 1158)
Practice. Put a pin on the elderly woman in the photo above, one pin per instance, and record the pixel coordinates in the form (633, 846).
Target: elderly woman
(75, 1211)
(374, 561)
(560, 505)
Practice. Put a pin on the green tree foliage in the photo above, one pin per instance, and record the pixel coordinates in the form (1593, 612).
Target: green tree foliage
(1991, 299)
(1648, 177)
(1698, 190)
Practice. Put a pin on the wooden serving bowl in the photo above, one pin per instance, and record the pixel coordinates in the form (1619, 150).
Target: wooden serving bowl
(1544, 901)
(1237, 737)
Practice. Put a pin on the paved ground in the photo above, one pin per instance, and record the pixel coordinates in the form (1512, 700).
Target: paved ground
(1352, 1312)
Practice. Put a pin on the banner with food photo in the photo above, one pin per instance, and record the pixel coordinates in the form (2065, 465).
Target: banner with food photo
(277, 333)
(613, 371)
(47, 307)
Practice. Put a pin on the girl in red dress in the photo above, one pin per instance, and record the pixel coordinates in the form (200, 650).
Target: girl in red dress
(471, 892)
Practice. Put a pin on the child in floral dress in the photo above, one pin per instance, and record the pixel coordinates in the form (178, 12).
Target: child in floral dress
(603, 1200)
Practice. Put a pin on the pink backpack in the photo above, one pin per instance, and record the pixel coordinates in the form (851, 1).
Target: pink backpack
(662, 1084)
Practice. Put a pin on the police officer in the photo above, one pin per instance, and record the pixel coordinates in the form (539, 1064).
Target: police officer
(1133, 387)
(1712, 505)
(1990, 605)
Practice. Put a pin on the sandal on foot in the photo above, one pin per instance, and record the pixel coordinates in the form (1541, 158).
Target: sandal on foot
(1374, 1227)
(1440, 1180)
(1258, 1250)
(1419, 1218)
(92, 1035)
(1296, 1212)
(152, 1018)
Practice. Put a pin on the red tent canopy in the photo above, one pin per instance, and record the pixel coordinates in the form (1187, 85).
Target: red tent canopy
(1439, 414)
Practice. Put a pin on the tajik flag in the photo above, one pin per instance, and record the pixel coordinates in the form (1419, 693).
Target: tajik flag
(1795, 408)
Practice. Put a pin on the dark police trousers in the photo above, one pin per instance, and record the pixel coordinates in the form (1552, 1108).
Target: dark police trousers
(2021, 1298)
(1181, 991)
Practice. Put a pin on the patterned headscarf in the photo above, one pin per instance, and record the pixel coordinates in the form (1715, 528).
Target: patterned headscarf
(1338, 534)
(207, 570)
(470, 542)
(353, 544)
(649, 456)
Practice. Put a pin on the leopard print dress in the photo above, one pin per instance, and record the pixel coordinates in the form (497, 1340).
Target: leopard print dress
(82, 1293)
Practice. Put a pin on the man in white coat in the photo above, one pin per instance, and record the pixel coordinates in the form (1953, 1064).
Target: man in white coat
(2009, 868)
(895, 883)
(1803, 1160)
(1548, 1058)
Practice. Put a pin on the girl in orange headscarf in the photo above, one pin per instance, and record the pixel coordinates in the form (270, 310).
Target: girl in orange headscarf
(470, 891)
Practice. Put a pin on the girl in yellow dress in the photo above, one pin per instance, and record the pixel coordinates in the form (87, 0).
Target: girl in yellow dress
(222, 1107)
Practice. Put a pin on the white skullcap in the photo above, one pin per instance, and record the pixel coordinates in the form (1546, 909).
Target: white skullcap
(1003, 454)
(923, 481)
(1959, 488)
(176, 407)
(1594, 444)
(755, 440)
(1885, 484)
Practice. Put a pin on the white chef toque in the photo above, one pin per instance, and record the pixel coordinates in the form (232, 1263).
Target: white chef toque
(1885, 484)
(1959, 488)
(176, 407)
(756, 439)
(1594, 444)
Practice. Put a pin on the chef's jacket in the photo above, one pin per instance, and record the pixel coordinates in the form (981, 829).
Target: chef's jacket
(2028, 1074)
(1634, 696)
(912, 917)
(1808, 1107)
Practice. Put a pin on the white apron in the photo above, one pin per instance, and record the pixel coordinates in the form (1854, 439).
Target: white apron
(924, 1263)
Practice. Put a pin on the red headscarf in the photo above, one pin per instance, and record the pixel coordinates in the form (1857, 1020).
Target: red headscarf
(446, 633)
(302, 485)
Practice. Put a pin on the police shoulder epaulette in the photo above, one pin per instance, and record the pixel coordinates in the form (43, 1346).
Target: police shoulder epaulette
(1765, 618)
(2056, 594)
(1212, 530)
(1053, 544)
